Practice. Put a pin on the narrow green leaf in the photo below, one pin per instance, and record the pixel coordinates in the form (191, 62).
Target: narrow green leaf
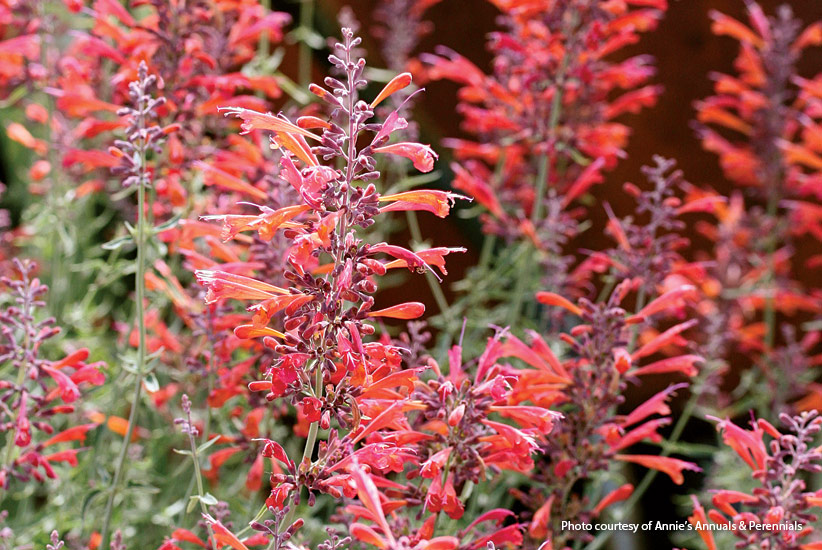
(192, 503)
(207, 444)
(114, 244)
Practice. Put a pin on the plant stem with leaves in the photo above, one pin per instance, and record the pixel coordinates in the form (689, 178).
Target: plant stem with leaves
(142, 138)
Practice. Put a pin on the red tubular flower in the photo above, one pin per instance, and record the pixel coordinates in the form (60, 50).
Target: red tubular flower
(747, 444)
(252, 120)
(673, 467)
(436, 202)
(408, 310)
(228, 285)
(221, 178)
(31, 412)
(75, 433)
(619, 494)
(422, 155)
(368, 535)
(223, 535)
(699, 520)
(443, 497)
(370, 498)
(775, 466)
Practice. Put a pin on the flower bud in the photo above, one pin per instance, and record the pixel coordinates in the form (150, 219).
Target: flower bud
(456, 415)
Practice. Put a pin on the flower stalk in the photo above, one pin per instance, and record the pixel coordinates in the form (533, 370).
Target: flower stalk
(141, 139)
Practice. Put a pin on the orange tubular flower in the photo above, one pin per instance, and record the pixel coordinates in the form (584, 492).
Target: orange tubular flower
(266, 224)
(673, 467)
(422, 155)
(431, 257)
(553, 299)
(408, 310)
(253, 120)
(436, 202)
(394, 85)
(228, 285)
(617, 495)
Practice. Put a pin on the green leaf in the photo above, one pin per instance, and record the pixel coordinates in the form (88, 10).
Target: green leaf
(182, 452)
(207, 444)
(168, 224)
(87, 502)
(192, 503)
(152, 361)
(208, 499)
(114, 244)
(292, 89)
(122, 194)
(19, 93)
(379, 75)
(411, 182)
(308, 36)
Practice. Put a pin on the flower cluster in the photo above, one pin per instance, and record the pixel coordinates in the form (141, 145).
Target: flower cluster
(777, 513)
(322, 362)
(587, 387)
(761, 123)
(41, 391)
(546, 116)
(251, 276)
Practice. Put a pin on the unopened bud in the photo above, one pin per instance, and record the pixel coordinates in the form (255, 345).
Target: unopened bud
(456, 415)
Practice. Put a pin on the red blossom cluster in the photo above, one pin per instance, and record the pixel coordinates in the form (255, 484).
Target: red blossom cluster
(610, 349)
(43, 391)
(263, 239)
(322, 363)
(545, 119)
(194, 48)
(777, 513)
(761, 122)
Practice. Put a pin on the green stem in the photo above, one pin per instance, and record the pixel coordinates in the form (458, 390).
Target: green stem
(59, 289)
(141, 352)
(433, 284)
(200, 491)
(526, 261)
(21, 376)
(207, 426)
(543, 174)
(640, 303)
(263, 44)
(769, 314)
(490, 239)
(487, 250)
